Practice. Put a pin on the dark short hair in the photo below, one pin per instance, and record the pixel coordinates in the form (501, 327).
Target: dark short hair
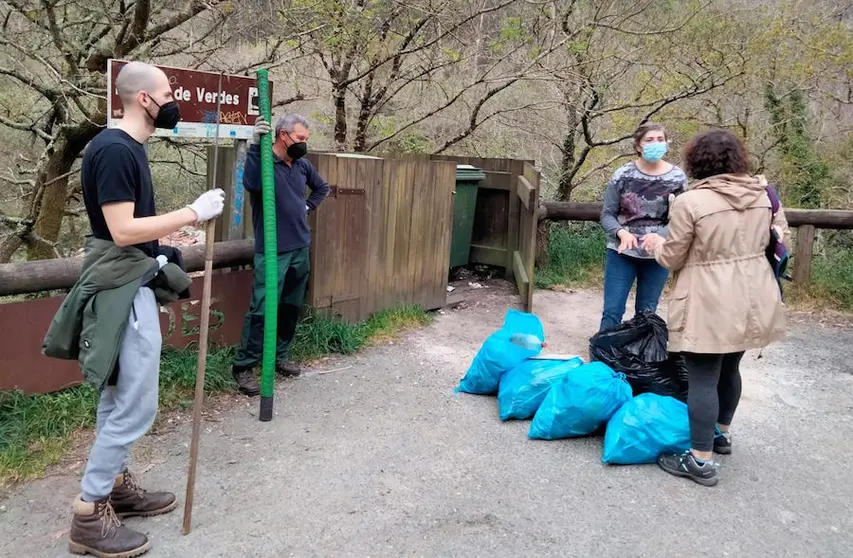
(715, 152)
(644, 129)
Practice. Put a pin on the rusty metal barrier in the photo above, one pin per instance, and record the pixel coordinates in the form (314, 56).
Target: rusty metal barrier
(24, 324)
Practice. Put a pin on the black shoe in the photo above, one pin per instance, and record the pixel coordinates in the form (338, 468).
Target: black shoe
(288, 370)
(722, 443)
(246, 382)
(685, 465)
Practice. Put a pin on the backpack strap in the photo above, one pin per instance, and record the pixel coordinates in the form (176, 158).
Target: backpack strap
(774, 199)
(775, 204)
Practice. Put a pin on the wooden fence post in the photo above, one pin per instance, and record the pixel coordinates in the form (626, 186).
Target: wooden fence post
(226, 164)
(236, 227)
(232, 162)
(803, 254)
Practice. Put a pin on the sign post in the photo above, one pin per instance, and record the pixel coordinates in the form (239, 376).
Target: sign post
(236, 226)
(196, 93)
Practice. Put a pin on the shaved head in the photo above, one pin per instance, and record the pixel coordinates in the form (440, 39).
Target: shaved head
(147, 100)
(135, 77)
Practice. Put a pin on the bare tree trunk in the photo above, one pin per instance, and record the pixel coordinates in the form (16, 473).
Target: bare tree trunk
(52, 207)
(481, 55)
(361, 129)
(543, 248)
(340, 100)
(364, 114)
(49, 211)
(565, 184)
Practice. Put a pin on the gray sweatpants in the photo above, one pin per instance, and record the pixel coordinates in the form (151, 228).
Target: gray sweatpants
(126, 410)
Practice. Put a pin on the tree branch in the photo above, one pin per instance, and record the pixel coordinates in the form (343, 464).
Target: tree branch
(427, 44)
(299, 96)
(26, 128)
(58, 40)
(601, 167)
(473, 120)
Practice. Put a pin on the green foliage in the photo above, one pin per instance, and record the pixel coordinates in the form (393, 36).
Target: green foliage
(576, 259)
(318, 336)
(415, 144)
(803, 174)
(575, 256)
(512, 29)
(35, 430)
(832, 271)
(452, 54)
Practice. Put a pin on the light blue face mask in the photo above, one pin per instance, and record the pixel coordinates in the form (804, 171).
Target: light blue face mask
(654, 152)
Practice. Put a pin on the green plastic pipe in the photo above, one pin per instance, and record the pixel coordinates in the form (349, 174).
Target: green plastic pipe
(270, 253)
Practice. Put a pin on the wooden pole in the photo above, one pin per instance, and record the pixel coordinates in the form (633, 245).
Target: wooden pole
(803, 254)
(838, 219)
(198, 401)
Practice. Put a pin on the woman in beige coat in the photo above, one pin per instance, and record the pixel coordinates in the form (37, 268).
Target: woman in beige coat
(726, 299)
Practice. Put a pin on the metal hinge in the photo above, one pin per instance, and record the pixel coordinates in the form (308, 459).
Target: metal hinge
(335, 191)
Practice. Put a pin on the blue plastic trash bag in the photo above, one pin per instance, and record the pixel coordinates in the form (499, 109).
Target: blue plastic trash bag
(580, 403)
(644, 427)
(523, 388)
(499, 354)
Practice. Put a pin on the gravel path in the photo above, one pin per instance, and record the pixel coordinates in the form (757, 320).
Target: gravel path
(380, 458)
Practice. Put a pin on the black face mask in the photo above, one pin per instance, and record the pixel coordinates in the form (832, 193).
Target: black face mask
(168, 117)
(297, 150)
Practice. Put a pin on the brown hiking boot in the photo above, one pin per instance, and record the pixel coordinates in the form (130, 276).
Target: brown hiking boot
(96, 530)
(128, 499)
(288, 370)
(246, 381)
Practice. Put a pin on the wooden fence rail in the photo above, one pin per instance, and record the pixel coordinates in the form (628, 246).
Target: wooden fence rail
(805, 221)
(61, 273)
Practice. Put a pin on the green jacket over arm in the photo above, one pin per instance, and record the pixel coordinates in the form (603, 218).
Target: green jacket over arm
(90, 323)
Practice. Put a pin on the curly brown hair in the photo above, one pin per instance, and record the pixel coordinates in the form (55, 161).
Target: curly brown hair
(715, 152)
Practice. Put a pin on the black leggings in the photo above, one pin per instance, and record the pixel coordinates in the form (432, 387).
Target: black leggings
(713, 394)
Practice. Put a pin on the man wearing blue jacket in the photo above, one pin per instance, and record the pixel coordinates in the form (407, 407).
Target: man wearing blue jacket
(293, 174)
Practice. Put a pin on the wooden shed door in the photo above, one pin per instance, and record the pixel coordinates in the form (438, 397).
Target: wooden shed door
(340, 237)
(524, 258)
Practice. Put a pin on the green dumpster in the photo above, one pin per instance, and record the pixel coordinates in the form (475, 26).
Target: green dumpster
(468, 179)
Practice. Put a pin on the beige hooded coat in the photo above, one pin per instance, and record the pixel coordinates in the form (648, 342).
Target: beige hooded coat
(725, 297)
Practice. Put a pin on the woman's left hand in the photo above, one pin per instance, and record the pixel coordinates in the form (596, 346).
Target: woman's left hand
(779, 231)
(651, 241)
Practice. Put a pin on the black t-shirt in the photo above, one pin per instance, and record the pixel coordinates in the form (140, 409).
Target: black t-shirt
(115, 169)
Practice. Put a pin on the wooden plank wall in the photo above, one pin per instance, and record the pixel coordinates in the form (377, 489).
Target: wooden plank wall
(389, 244)
(382, 238)
(496, 219)
(340, 233)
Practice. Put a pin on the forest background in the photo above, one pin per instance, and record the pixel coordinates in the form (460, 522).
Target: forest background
(562, 82)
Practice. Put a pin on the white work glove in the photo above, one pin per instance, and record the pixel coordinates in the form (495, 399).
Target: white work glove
(208, 205)
(261, 127)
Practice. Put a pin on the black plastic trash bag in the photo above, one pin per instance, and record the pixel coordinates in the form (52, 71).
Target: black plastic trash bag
(638, 348)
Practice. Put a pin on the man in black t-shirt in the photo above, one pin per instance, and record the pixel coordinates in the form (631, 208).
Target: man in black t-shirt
(116, 154)
(119, 199)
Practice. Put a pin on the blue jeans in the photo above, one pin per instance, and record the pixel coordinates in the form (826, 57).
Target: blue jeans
(619, 274)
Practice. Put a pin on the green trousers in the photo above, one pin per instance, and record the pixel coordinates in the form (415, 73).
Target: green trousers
(293, 270)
